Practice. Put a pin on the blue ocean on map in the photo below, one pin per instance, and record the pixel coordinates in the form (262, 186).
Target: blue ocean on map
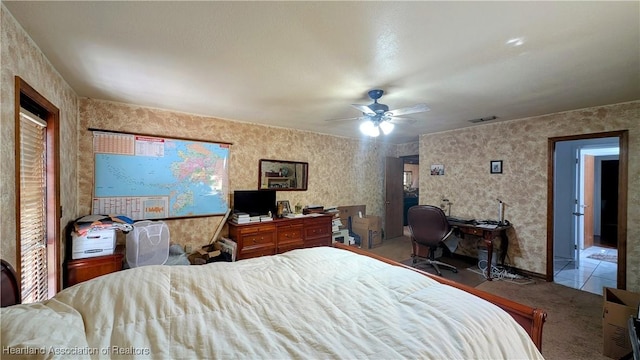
(192, 175)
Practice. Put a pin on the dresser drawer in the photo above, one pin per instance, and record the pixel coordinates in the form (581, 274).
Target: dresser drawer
(290, 234)
(291, 223)
(253, 229)
(317, 231)
(258, 239)
(472, 231)
(258, 252)
(289, 246)
(80, 270)
(317, 242)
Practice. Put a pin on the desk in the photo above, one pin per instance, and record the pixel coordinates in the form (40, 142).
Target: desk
(488, 235)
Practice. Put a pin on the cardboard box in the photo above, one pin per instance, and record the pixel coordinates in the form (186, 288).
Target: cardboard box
(346, 212)
(619, 305)
(370, 230)
(370, 222)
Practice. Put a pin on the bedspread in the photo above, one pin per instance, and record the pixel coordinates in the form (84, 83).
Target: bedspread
(315, 303)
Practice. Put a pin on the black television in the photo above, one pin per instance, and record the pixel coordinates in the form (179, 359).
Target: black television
(254, 202)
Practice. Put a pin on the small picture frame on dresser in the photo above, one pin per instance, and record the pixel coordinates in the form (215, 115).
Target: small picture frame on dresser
(496, 166)
(286, 208)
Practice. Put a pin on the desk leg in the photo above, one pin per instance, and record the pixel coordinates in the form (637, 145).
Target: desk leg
(489, 242)
(504, 246)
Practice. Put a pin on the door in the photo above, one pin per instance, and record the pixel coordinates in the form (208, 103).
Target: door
(394, 169)
(564, 188)
(557, 176)
(587, 200)
(576, 201)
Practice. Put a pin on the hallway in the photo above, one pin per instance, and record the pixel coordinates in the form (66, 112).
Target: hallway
(592, 275)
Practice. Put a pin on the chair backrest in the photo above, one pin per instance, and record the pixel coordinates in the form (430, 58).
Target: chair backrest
(9, 285)
(428, 224)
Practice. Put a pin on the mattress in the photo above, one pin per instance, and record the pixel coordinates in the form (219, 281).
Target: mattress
(308, 303)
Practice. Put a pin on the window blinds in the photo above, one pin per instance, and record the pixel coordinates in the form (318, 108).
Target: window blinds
(33, 250)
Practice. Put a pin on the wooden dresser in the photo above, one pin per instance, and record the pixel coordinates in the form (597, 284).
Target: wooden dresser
(280, 235)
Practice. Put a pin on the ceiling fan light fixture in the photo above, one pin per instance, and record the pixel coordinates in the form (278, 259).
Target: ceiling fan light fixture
(386, 127)
(369, 128)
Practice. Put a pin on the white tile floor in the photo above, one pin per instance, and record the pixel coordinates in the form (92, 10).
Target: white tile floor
(592, 275)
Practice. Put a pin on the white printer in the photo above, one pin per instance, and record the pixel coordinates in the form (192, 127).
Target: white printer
(93, 243)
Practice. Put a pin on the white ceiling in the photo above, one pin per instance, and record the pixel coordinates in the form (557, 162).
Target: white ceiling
(299, 64)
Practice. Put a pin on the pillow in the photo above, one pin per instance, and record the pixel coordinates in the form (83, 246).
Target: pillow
(46, 330)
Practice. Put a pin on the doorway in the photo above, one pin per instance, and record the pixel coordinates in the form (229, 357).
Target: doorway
(586, 234)
(411, 178)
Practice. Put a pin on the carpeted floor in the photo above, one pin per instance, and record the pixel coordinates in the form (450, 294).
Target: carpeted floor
(463, 275)
(573, 330)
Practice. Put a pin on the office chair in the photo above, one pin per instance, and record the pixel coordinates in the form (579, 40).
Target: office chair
(429, 227)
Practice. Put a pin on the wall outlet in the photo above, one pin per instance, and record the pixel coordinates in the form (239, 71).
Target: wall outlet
(188, 248)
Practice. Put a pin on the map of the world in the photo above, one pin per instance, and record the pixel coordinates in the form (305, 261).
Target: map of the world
(145, 177)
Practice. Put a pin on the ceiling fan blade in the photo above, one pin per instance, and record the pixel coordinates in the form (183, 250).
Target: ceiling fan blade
(364, 108)
(408, 110)
(346, 119)
(400, 120)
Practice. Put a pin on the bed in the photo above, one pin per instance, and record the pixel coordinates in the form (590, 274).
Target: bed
(323, 302)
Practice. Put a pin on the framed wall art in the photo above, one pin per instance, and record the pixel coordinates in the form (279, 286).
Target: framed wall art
(496, 166)
(437, 169)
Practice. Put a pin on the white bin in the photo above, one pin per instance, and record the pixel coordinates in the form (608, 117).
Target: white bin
(148, 243)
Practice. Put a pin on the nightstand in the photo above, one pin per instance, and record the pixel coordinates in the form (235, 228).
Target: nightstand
(80, 270)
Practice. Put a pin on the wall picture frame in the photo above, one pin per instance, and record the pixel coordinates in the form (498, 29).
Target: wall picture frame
(437, 169)
(496, 167)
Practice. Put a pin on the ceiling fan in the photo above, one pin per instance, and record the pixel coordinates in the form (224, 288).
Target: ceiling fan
(377, 117)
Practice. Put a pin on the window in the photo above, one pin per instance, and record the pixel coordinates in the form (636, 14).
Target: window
(33, 178)
(37, 194)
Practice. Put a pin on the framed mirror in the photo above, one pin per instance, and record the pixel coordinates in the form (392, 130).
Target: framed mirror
(282, 175)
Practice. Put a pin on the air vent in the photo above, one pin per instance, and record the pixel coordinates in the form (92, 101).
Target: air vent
(479, 120)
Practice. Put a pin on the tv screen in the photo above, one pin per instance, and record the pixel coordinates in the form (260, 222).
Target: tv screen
(254, 202)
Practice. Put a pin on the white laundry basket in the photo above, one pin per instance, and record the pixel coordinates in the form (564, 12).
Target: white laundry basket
(148, 243)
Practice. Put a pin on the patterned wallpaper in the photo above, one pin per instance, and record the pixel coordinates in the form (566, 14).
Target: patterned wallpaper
(407, 149)
(522, 145)
(341, 171)
(21, 57)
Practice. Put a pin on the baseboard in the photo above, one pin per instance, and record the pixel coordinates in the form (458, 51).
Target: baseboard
(529, 274)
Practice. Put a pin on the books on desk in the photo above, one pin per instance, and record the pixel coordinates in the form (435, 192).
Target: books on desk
(460, 220)
(241, 218)
(244, 218)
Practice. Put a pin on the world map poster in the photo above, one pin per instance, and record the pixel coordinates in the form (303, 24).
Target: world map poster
(144, 177)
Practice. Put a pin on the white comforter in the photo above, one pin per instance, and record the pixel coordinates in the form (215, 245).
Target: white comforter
(319, 303)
